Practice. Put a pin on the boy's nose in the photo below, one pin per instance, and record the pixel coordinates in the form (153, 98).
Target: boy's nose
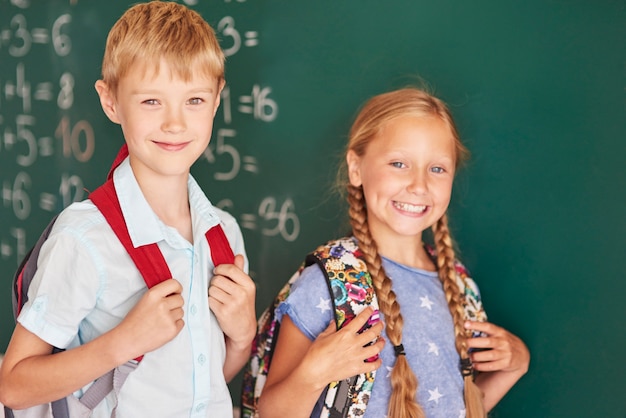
(173, 122)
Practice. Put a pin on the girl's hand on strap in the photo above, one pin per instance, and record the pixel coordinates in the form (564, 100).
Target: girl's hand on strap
(340, 354)
(500, 357)
(499, 350)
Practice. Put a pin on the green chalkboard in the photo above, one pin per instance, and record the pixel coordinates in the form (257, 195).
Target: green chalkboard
(537, 88)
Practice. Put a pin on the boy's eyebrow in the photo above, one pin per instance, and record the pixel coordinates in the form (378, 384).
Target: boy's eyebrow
(138, 90)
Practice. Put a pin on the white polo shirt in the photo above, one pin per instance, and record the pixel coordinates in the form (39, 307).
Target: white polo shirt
(86, 283)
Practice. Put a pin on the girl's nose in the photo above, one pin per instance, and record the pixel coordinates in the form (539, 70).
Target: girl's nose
(418, 184)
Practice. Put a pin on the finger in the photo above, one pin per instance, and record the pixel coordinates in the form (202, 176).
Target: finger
(230, 271)
(167, 287)
(483, 356)
(373, 349)
(480, 342)
(177, 314)
(239, 261)
(486, 327)
(217, 295)
(224, 284)
(174, 301)
(371, 334)
(360, 320)
(491, 366)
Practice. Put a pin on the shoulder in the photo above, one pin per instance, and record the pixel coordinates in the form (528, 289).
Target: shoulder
(226, 219)
(81, 218)
(340, 252)
(80, 237)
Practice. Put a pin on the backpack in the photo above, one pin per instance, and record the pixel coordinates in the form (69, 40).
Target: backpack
(351, 288)
(151, 264)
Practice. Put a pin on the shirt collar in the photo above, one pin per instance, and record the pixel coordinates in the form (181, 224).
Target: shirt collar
(144, 226)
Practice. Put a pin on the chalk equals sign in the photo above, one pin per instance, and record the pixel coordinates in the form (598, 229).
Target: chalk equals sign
(43, 92)
(248, 221)
(250, 164)
(47, 202)
(40, 36)
(252, 38)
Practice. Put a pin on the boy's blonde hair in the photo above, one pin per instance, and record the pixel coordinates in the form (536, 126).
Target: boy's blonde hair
(157, 30)
(374, 115)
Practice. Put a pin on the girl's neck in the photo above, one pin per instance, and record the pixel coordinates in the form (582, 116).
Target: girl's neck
(408, 251)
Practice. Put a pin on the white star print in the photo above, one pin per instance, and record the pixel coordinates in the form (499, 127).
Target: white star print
(426, 303)
(462, 413)
(432, 348)
(389, 369)
(434, 395)
(324, 305)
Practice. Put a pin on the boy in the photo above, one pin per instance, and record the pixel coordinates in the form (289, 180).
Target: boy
(162, 76)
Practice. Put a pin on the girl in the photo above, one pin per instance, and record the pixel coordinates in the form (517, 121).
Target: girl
(400, 163)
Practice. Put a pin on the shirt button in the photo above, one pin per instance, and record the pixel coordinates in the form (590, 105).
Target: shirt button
(193, 309)
(200, 407)
(201, 359)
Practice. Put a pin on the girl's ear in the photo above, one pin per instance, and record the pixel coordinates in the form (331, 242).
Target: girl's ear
(107, 101)
(354, 168)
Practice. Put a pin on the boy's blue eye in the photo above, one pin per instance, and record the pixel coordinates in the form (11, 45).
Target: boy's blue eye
(438, 170)
(195, 101)
(397, 164)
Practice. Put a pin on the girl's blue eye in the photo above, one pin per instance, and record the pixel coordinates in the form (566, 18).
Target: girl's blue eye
(150, 101)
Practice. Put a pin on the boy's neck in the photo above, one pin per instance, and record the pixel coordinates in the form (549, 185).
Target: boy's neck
(169, 199)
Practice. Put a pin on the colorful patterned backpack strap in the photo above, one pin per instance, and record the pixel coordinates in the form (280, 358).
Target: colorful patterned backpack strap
(472, 304)
(350, 286)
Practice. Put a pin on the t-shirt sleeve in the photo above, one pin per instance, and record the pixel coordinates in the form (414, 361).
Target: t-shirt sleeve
(309, 304)
(63, 291)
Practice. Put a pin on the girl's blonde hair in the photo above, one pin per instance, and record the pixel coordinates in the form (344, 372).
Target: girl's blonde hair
(374, 115)
(150, 32)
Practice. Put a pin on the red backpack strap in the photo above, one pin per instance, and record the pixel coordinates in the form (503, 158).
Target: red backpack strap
(148, 258)
(221, 253)
(121, 155)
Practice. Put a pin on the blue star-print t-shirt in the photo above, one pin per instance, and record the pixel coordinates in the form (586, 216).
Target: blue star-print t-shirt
(428, 337)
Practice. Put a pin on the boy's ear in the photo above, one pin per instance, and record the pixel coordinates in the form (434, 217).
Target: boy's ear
(107, 101)
(354, 168)
(218, 97)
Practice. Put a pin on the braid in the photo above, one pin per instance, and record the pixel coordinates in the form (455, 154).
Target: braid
(403, 381)
(447, 274)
